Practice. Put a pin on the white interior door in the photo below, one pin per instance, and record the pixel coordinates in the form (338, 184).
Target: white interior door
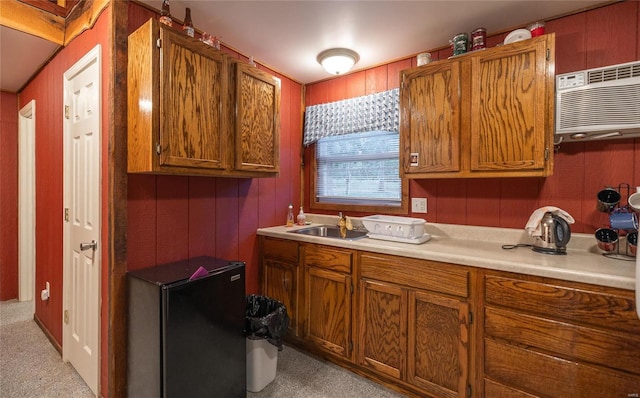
(27, 202)
(82, 251)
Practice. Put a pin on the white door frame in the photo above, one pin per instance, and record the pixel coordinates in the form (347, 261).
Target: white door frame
(27, 203)
(68, 289)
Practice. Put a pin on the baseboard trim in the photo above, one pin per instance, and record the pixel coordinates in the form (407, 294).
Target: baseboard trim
(46, 332)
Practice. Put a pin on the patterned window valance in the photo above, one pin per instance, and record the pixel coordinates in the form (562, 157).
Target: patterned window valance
(375, 112)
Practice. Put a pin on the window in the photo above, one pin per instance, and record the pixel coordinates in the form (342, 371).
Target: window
(355, 154)
(359, 171)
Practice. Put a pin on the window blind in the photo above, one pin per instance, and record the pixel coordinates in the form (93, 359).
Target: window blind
(359, 167)
(374, 112)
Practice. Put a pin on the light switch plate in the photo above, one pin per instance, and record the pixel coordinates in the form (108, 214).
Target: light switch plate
(418, 205)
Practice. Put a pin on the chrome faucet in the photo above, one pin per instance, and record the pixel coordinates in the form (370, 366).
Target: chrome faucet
(344, 223)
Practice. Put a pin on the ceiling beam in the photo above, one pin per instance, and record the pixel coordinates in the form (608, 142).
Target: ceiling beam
(83, 17)
(28, 19)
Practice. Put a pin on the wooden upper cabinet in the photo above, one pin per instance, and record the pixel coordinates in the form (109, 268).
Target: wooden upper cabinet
(431, 119)
(487, 113)
(192, 90)
(182, 109)
(511, 105)
(258, 119)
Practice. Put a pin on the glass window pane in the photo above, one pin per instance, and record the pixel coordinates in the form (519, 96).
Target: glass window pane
(361, 167)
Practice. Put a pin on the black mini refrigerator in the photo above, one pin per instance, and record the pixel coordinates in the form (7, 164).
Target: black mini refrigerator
(186, 330)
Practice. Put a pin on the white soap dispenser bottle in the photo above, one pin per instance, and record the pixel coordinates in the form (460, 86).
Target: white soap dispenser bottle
(301, 217)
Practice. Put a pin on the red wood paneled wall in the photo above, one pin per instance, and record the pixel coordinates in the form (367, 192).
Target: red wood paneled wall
(9, 196)
(47, 90)
(173, 217)
(599, 37)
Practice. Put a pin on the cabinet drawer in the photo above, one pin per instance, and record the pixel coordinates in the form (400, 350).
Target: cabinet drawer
(422, 274)
(587, 304)
(548, 376)
(285, 250)
(328, 258)
(605, 347)
(493, 389)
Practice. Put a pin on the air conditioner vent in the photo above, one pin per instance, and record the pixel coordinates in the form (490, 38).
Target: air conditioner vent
(600, 103)
(614, 73)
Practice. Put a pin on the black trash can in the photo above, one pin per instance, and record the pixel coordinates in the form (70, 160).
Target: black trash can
(266, 323)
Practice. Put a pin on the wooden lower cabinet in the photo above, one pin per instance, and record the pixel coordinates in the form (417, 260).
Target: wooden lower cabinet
(419, 337)
(280, 264)
(327, 299)
(433, 329)
(550, 338)
(438, 354)
(383, 328)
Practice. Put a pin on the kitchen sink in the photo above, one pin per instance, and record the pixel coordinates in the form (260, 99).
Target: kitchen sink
(330, 231)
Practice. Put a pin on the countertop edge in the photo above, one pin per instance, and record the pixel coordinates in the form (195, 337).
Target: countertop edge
(579, 265)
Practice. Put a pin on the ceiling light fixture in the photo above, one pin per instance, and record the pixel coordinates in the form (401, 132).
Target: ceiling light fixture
(338, 60)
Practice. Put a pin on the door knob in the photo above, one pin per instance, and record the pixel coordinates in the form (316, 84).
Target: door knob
(86, 246)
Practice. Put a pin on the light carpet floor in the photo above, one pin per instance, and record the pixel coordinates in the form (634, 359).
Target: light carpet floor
(31, 368)
(302, 376)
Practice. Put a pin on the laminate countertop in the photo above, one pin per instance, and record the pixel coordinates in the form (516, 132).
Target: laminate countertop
(482, 247)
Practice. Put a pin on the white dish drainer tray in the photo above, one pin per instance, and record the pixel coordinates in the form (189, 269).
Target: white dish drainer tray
(415, 241)
(397, 229)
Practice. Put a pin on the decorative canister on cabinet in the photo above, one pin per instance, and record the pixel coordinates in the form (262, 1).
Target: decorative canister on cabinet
(424, 58)
(460, 42)
(478, 39)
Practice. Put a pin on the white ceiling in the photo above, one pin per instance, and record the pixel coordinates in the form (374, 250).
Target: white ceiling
(288, 35)
(21, 55)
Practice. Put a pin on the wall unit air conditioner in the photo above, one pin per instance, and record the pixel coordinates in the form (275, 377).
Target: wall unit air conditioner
(597, 104)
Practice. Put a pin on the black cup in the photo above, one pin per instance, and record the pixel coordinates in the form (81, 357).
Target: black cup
(607, 200)
(607, 239)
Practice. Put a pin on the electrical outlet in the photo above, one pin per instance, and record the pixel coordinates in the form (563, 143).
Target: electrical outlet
(45, 294)
(418, 205)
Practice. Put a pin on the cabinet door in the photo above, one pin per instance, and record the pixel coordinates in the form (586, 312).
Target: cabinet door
(258, 120)
(279, 281)
(511, 103)
(430, 119)
(382, 345)
(328, 310)
(438, 358)
(192, 100)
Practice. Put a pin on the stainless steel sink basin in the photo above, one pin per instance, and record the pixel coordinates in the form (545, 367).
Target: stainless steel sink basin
(330, 231)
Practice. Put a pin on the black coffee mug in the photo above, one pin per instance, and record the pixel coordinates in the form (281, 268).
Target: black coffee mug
(607, 200)
(607, 239)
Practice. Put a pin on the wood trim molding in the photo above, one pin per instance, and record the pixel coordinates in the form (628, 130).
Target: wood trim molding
(60, 8)
(117, 364)
(32, 20)
(117, 219)
(83, 17)
(47, 24)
